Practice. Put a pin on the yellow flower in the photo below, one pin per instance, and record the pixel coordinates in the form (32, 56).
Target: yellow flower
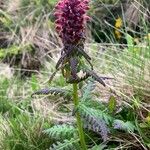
(118, 23)
(117, 34)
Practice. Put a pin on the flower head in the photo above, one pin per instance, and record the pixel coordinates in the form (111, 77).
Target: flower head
(70, 23)
(71, 19)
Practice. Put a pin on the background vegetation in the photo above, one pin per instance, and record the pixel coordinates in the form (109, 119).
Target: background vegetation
(118, 40)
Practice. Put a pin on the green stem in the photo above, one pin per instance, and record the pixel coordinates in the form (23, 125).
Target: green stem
(78, 118)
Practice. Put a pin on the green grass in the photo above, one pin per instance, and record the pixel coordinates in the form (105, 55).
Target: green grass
(21, 127)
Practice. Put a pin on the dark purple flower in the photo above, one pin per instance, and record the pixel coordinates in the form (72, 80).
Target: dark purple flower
(71, 19)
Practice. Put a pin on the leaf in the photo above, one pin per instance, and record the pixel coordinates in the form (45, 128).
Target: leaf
(95, 76)
(60, 132)
(66, 94)
(126, 126)
(90, 86)
(94, 120)
(34, 83)
(130, 127)
(130, 42)
(112, 104)
(98, 147)
(72, 144)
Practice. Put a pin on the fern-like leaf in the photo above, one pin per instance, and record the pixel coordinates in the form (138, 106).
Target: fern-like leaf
(86, 107)
(86, 92)
(94, 120)
(60, 132)
(72, 144)
(125, 126)
(54, 91)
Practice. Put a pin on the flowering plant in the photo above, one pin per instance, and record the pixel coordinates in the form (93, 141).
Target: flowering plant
(70, 23)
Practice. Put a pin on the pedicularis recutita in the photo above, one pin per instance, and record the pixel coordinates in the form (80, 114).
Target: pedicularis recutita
(74, 62)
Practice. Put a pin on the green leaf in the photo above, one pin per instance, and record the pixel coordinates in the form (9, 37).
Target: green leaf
(72, 144)
(87, 90)
(34, 83)
(60, 132)
(130, 42)
(112, 104)
(130, 126)
(98, 147)
(127, 126)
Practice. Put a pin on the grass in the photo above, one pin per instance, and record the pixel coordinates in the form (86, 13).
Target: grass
(21, 126)
(124, 102)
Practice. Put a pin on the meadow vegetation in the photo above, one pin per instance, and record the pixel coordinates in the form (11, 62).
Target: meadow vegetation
(115, 117)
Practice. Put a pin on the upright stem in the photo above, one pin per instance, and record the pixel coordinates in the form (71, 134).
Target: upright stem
(78, 118)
